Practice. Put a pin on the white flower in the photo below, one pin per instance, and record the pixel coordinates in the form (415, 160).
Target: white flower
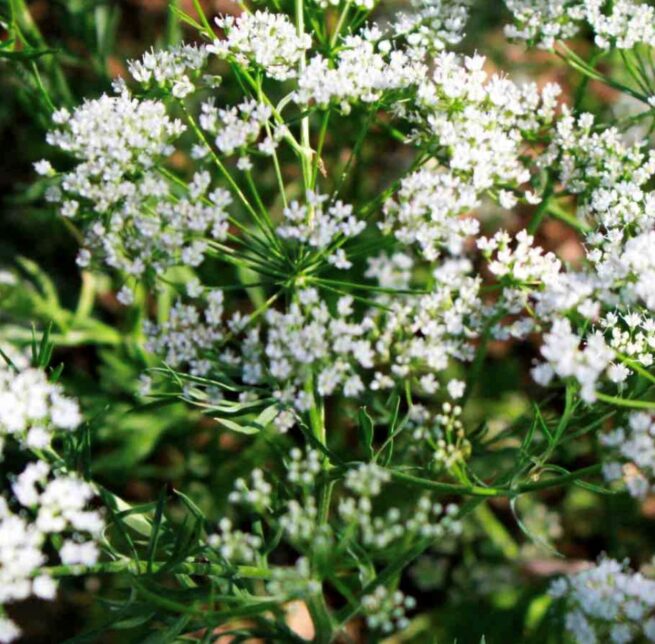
(44, 587)
(456, 388)
(8, 630)
(44, 168)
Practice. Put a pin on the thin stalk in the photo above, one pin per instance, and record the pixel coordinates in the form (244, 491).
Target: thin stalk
(625, 402)
(320, 614)
(340, 23)
(479, 491)
(305, 153)
(635, 366)
(542, 208)
(561, 214)
(581, 65)
(319, 148)
(558, 481)
(142, 567)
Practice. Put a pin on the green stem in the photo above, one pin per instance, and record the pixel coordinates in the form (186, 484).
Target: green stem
(320, 614)
(625, 402)
(558, 481)
(340, 23)
(141, 568)
(479, 491)
(306, 151)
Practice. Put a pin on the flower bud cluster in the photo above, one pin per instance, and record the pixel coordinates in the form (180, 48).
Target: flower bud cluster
(257, 493)
(235, 546)
(293, 581)
(424, 519)
(386, 610)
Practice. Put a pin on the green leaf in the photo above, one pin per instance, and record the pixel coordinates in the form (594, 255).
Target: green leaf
(8, 360)
(171, 633)
(366, 428)
(186, 18)
(26, 54)
(259, 424)
(156, 527)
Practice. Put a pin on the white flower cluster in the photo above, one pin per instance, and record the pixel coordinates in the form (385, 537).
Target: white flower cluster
(359, 4)
(188, 336)
(392, 272)
(530, 278)
(365, 68)
(46, 511)
(308, 339)
(237, 127)
(620, 23)
(51, 516)
(608, 173)
(525, 263)
(262, 40)
(628, 23)
(318, 223)
(433, 25)
(542, 22)
(428, 209)
(340, 352)
(113, 137)
(631, 455)
(169, 69)
(385, 610)
(567, 359)
(481, 118)
(138, 224)
(608, 603)
(630, 335)
(32, 409)
(479, 123)
(419, 334)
